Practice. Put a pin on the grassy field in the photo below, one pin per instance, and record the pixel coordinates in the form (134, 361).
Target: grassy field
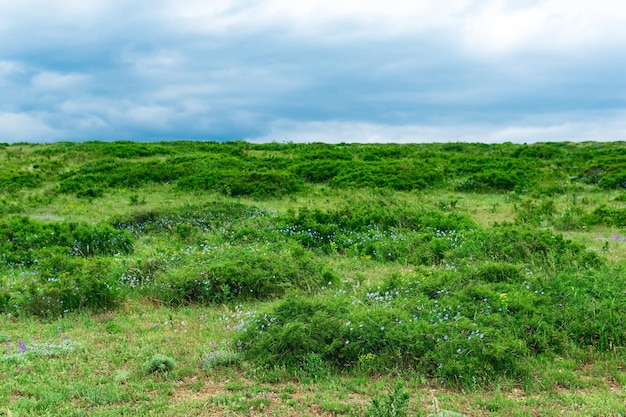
(199, 279)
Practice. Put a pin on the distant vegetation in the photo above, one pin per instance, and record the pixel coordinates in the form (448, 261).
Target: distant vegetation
(265, 170)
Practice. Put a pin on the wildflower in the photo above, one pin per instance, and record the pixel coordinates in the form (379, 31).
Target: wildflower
(238, 344)
(382, 328)
(21, 346)
(347, 342)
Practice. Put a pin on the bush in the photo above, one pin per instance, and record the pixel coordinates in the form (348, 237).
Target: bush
(237, 273)
(60, 284)
(462, 329)
(208, 217)
(22, 239)
(159, 364)
(607, 216)
(241, 183)
(395, 404)
(523, 245)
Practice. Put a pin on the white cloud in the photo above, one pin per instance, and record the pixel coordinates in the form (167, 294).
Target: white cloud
(8, 67)
(567, 127)
(15, 127)
(483, 27)
(388, 70)
(48, 80)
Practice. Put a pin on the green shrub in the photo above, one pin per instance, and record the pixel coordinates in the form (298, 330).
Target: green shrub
(523, 245)
(461, 327)
(215, 215)
(60, 284)
(395, 404)
(242, 183)
(237, 273)
(607, 216)
(532, 212)
(22, 239)
(159, 364)
(14, 181)
(219, 359)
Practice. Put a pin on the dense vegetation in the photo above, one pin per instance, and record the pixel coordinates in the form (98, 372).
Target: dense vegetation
(352, 259)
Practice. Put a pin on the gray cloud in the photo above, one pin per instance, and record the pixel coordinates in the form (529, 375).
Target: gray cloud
(268, 70)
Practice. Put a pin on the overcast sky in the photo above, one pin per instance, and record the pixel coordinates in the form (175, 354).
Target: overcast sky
(317, 70)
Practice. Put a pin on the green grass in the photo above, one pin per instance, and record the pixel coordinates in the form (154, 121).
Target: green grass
(507, 299)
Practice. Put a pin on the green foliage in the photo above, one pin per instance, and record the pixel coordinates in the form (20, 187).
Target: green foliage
(383, 268)
(607, 216)
(382, 229)
(23, 239)
(159, 364)
(238, 273)
(220, 359)
(466, 325)
(525, 245)
(395, 404)
(236, 183)
(217, 215)
(59, 284)
(14, 181)
(533, 212)
(313, 368)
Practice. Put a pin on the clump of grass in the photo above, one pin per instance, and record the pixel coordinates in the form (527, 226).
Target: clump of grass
(220, 359)
(159, 364)
(394, 404)
(313, 368)
(33, 349)
(120, 376)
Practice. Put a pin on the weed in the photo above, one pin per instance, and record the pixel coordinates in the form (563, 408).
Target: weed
(394, 404)
(159, 363)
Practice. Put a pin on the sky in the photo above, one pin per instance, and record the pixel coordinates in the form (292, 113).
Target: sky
(313, 71)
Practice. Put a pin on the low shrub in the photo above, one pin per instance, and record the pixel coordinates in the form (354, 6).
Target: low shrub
(394, 404)
(159, 364)
(60, 284)
(242, 183)
(216, 215)
(239, 273)
(607, 216)
(22, 238)
(535, 248)
(457, 327)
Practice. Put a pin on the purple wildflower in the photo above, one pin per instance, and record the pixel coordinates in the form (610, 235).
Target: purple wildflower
(21, 346)
(238, 344)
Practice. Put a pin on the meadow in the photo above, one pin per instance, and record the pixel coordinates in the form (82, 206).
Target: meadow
(204, 278)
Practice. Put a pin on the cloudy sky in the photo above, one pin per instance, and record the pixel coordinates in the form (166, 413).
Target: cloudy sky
(317, 70)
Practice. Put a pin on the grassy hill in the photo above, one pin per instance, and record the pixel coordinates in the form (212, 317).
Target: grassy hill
(203, 278)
